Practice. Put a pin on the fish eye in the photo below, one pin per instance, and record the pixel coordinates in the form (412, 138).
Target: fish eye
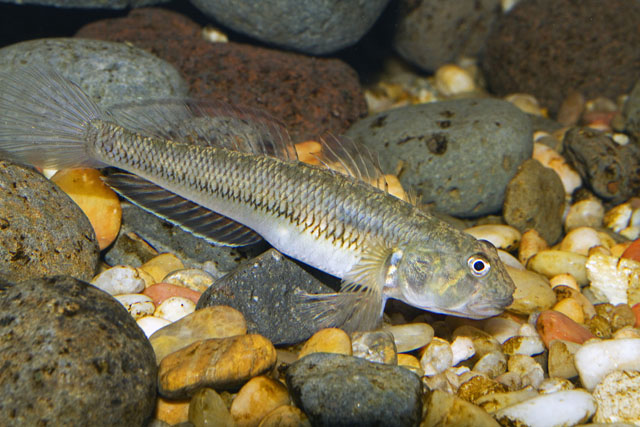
(478, 265)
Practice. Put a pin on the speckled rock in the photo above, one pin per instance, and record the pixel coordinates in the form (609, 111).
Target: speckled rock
(313, 26)
(458, 155)
(71, 355)
(574, 44)
(127, 73)
(631, 112)
(534, 199)
(447, 410)
(618, 398)
(42, 232)
(431, 33)
(102, 4)
(265, 291)
(611, 170)
(338, 390)
(311, 96)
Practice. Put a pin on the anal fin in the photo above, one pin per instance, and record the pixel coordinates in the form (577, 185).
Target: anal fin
(190, 216)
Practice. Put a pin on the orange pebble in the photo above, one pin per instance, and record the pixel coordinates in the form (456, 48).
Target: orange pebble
(162, 291)
(636, 311)
(632, 251)
(553, 325)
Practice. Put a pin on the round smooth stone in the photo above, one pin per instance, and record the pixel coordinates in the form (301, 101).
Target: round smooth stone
(259, 396)
(329, 340)
(137, 305)
(595, 360)
(562, 408)
(410, 336)
(118, 280)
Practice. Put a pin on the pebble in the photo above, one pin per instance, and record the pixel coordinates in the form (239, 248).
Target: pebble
(554, 409)
(66, 349)
(437, 357)
(361, 392)
(580, 240)
(553, 385)
(207, 408)
(259, 396)
(462, 349)
(444, 409)
(617, 279)
(284, 416)
(375, 346)
(631, 111)
(501, 236)
(129, 249)
(533, 292)
(501, 328)
(329, 340)
(451, 79)
(584, 213)
(410, 362)
(552, 262)
(483, 343)
(110, 73)
(550, 158)
(171, 412)
(98, 202)
(265, 290)
(410, 336)
(618, 217)
(617, 397)
(150, 324)
(119, 280)
(175, 308)
(43, 232)
(478, 386)
(494, 402)
(527, 369)
(552, 325)
(523, 345)
(534, 199)
(632, 251)
(636, 312)
(190, 278)
(530, 244)
(570, 308)
(160, 292)
(219, 363)
(491, 364)
(595, 360)
(444, 149)
(564, 279)
(160, 266)
(205, 323)
(137, 305)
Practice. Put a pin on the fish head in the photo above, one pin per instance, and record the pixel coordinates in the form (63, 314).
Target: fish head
(467, 279)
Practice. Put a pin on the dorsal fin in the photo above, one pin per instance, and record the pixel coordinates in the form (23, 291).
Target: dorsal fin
(190, 216)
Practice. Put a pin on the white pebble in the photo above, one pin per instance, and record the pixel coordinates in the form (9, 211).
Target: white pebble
(525, 102)
(564, 408)
(119, 280)
(493, 402)
(618, 217)
(554, 385)
(462, 349)
(411, 336)
(524, 345)
(214, 35)
(564, 279)
(509, 260)
(175, 308)
(618, 398)
(530, 244)
(620, 138)
(553, 262)
(501, 328)
(501, 236)
(190, 278)
(595, 360)
(437, 357)
(613, 277)
(137, 305)
(551, 159)
(491, 364)
(580, 240)
(452, 80)
(527, 368)
(150, 324)
(585, 213)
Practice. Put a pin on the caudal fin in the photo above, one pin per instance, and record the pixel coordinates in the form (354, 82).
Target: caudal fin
(43, 119)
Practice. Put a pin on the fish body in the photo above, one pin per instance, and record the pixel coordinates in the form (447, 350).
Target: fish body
(382, 247)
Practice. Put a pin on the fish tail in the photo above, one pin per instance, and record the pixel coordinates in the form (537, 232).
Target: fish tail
(44, 119)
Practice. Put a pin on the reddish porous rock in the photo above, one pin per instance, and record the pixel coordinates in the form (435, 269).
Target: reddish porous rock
(553, 325)
(311, 96)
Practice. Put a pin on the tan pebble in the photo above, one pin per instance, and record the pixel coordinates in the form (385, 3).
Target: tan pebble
(98, 202)
(614, 278)
(119, 280)
(622, 316)
(564, 279)
(158, 267)
(375, 346)
(527, 368)
(571, 108)
(554, 385)
(550, 158)
(437, 357)
(599, 326)
(256, 399)
(329, 340)
(209, 322)
(626, 332)
(501, 328)
(580, 240)
(585, 213)
(148, 279)
(618, 217)
(570, 308)
(446, 410)
(532, 292)
(523, 345)
(285, 416)
(207, 408)
(491, 364)
(553, 262)
(525, 102)
(308, 152)
(511, 380)
(137, 305)
(190, 278)
(172, 411)
(560, 362)
(483, 342)
(493, 402)
(479, 386)
(452, 80)
(588, 310)
(411, 362)
(214, 35)
(509, 260)
(530, 244)
(440, 382)
(216, 363)
(618, 249)
(175, 308)
(410, 336)
(501, 236)
(150, 324)
(618, 398)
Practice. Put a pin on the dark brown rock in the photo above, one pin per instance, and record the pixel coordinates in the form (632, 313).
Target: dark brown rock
(551, 47)
(42, 231)
(535, 200)
(71, 355)
(611, 171)
(311, 96)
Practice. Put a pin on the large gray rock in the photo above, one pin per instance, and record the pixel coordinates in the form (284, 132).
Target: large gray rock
(457, 155)
(339, 390)
(431, 33)
(111, 73)
(632, 112)
(85, 4)
(71, 355)
(42, 231)
(311, 26)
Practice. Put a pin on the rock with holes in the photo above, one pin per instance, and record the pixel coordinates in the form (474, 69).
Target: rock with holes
(71, 355)
(457, 155)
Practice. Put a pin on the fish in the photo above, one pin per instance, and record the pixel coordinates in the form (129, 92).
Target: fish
(231, 176)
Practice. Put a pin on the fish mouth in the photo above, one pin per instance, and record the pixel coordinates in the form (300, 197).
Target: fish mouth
(484, 308)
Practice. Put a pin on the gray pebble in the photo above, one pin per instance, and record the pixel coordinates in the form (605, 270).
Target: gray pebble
(457, 155)
(311, 26)
(42, 231)
(339, 390)
(632, 112)
(111, 73)
(535, 200)
(265, 290)
(71, 355)
(431, 33)
(85, 4)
